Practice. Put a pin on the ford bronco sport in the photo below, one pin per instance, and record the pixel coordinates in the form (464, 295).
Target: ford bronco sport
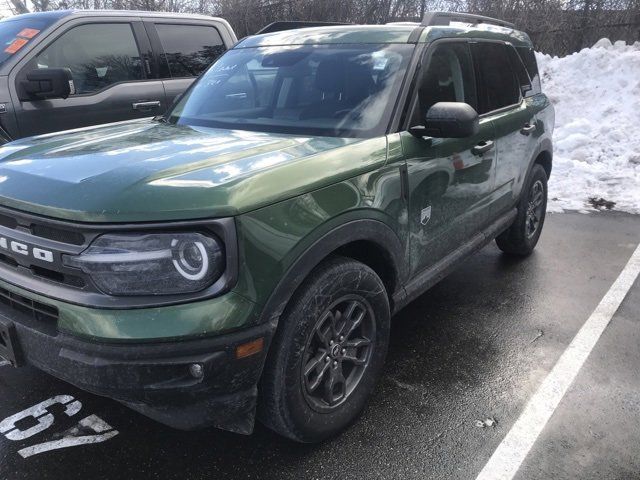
(242, 255)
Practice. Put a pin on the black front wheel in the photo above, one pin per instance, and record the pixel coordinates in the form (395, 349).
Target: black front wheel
(523, 235)
(328, 353)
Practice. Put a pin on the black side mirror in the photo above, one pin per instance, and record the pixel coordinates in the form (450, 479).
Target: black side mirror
(44, 83)
(449, 120)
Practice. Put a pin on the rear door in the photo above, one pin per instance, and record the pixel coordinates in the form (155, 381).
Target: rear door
(502, 81)
(112, 78)
(184, 49)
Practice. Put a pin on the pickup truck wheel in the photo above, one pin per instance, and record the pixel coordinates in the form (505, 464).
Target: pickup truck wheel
(327, 355)
(521, 238)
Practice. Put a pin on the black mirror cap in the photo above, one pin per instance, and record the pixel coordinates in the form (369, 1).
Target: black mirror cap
(44, 83)
(451, 120)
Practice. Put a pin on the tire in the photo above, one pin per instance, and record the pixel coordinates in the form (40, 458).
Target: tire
(342, 290)
(522, 236)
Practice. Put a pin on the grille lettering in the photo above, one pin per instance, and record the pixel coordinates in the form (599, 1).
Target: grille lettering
(26, 250)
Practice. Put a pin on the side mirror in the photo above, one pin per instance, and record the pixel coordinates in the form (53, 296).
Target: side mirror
(449, 120)
(44, 83)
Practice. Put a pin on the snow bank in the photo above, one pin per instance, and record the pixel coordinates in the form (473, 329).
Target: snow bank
(596, 93)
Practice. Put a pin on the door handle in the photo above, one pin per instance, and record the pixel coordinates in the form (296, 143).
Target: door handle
(144, 106)
(528, 129)
(482, 147)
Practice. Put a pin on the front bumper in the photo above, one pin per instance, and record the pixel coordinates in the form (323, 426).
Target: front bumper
(152, 378)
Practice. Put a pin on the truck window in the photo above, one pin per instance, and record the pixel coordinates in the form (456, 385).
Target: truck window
(98, 56)
(498, 84)
(449, 77)
(189, 49)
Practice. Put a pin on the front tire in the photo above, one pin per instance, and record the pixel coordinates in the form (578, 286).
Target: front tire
(523, 235)
(328, 353)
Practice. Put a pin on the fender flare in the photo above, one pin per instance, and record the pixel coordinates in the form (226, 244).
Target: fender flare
(546, 145)
(370, 230)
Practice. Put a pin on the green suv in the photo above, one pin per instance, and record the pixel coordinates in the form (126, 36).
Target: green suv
(242, 255)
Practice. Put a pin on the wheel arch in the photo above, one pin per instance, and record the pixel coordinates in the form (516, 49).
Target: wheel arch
(544, 156)
(369, 241)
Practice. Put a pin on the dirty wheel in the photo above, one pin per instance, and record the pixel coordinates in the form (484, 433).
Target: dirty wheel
(521, 238)
(327, 355)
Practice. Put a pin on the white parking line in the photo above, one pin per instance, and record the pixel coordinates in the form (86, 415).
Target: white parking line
(506, 460)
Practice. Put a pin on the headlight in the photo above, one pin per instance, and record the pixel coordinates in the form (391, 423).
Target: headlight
(151, 264)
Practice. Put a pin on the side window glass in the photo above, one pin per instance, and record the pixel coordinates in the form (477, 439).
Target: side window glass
(449, 77)
(189, 49)
(519, 69)
(498, 82)
(98, 56)
(528, 57)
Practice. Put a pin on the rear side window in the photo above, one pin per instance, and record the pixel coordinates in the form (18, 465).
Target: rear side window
(498, 84)
(521, 72)
(189, 49)
(528, 57)
(98, 55)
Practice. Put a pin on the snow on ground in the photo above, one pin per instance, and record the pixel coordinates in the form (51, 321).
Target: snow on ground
(596, 94)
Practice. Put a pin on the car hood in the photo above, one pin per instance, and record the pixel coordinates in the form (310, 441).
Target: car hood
(152, 171)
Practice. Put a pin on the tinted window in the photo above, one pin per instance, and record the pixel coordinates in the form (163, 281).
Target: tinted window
(449, 77)
(529, 59)
(333, 90)
(498, 83)
(189, 49)
(519, 69)
(98, 55)
(15, 34)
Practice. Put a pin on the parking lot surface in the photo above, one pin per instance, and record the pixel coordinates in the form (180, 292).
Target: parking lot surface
(464, 360)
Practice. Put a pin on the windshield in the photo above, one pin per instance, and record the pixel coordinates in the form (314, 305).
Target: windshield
(15, 34)
(331, 90)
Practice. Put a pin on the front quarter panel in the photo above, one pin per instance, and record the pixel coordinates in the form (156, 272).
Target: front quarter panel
(274, 238)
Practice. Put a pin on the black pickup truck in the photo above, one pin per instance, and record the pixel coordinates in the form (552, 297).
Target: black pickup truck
(67, 69)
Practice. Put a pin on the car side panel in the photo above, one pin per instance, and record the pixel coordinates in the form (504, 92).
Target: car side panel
(272, 239)
(449, 193)
(516, 151)
(515, 148)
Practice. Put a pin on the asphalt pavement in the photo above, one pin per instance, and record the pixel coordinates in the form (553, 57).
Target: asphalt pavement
(464, 360)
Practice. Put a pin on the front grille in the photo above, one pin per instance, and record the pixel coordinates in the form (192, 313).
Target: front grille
(36, 310)
(8, 221)
(38, 232)
(58, 234)
(58, 277)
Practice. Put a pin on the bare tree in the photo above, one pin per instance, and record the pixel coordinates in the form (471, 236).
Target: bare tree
(555, 26)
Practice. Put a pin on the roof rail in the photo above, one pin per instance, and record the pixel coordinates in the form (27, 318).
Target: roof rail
(281, 26)
(444, 18)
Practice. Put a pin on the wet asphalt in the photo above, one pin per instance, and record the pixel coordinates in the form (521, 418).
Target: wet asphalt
(472, 349)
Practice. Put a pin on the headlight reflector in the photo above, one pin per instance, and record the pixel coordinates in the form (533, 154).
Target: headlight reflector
(151, 264)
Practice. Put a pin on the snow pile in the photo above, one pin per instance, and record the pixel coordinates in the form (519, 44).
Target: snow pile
(596, 94)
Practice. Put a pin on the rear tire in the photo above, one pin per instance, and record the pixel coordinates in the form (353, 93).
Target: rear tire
(328, 353)
(523, 235)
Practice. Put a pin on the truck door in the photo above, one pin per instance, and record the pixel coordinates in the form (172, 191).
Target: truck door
(111, 78)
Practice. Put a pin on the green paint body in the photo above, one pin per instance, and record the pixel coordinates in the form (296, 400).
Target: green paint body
(285, 192)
